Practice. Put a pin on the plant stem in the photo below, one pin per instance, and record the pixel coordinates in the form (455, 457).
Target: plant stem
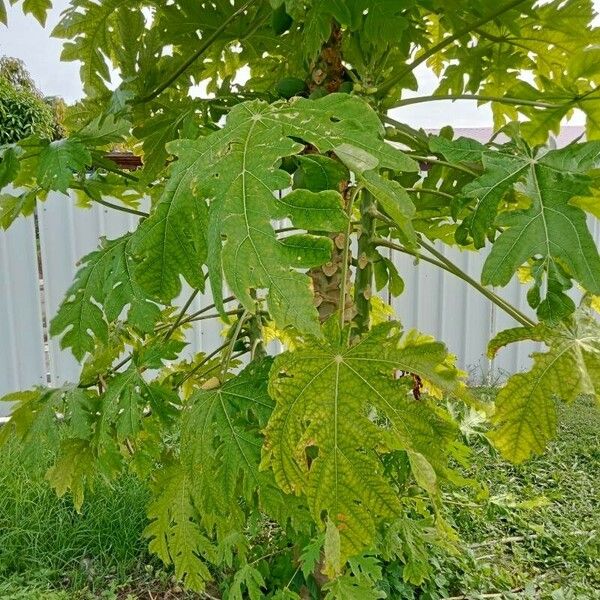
(450, 267)
(126, 209)
(202, 363)
(255, 333)
(443, 163)
(196, 55)
(435, 192)
(108, 165)
(499, 595)
(398, 77)
(478, 98)
(342, 302)
(215, 367)
(181, 314)
(121, 364)
(183, 321)
(205, 317)
(507, 307)
(414, 253)
(364, 275)
(193, 316)
(232, 342)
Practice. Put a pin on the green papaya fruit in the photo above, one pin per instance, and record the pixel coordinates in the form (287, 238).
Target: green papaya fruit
(290, 86)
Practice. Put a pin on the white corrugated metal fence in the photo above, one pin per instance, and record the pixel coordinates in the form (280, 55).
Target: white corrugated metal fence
(36, 270)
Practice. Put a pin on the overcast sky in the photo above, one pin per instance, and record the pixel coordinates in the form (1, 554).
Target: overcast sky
(26, 39)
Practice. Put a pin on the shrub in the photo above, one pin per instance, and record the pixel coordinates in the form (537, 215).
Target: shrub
(23, 113)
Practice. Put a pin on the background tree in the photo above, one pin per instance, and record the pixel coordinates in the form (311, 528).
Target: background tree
(320, 449)
(23, 111)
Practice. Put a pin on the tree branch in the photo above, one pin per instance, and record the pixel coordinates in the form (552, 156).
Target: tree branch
(503, 304)
(193, 316)
(443, 163)
(202, 363)
(420, 190)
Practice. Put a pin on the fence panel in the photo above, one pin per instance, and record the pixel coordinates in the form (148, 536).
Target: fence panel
(67, 234)
(440, 304)
(22, 363)
(434, 301)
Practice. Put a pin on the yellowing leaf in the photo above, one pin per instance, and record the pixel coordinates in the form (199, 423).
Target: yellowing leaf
(590, 204)
(337, 408)
(524, 274)
(332, 550)
(525, 415)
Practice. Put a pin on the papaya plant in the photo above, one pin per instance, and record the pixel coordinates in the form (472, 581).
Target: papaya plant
(281, 184)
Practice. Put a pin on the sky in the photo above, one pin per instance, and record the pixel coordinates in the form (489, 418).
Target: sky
(26, 39)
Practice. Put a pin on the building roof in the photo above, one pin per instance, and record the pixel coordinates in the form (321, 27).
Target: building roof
(483, 134)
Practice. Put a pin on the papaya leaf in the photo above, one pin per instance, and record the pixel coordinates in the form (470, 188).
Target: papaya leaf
(221, 439)
(239, 182)
(175, 537)
(511, 336)
(9, 166)
(250, 579)
(103, 131)
(96, 37)
(317, 173)
(103, 287)
(320, 211)
(311, 555)
(12, 207)
(323, 440)
(395, 201)
(172, 241)
(501, 172)
(550, 227)
(37, 413)
(305, 250)
(459, 150)
(59, 160)
(352, 588)
(525, 417)
(38, 8)
(73, 468)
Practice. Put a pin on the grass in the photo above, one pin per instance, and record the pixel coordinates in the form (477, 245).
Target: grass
(49, 551)
(536, 532)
